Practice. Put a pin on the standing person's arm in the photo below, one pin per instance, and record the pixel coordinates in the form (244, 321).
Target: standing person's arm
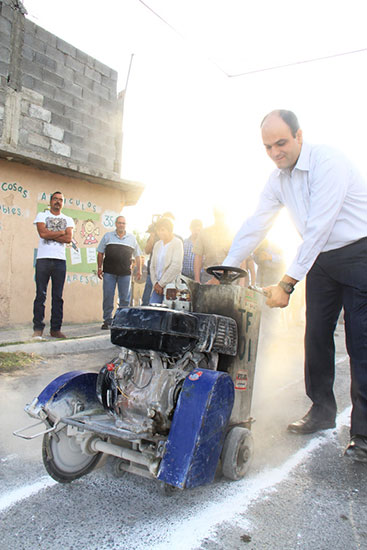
(100, 257)
(152, 239)
(198, 264)
(48, 235)
(139, 267)
(67, 238)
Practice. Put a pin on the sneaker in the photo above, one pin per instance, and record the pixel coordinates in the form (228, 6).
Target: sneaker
(37, 334)
(357, 448)
(57, 334)
(105, 326)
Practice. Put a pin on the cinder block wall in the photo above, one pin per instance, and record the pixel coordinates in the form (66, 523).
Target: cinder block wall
(57, 103)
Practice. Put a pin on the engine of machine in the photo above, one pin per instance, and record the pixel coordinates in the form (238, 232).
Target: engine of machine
(159, 348)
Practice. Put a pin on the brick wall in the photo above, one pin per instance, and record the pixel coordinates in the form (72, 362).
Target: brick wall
(57, 104)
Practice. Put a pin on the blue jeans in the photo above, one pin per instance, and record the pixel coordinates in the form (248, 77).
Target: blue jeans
(147, 291)
(109, 286)
(46, 269)
(156, 298)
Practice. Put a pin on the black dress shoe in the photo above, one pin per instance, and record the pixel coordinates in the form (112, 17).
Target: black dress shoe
(357, 448)
(311, 423)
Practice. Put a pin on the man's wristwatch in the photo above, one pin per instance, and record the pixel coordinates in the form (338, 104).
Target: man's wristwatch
(287, 287)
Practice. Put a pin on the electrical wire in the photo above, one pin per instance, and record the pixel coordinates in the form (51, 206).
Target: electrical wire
(254, 71)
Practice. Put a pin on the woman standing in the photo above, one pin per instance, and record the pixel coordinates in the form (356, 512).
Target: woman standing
(166, 263)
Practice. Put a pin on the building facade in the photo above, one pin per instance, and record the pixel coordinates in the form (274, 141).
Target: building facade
(60, 130)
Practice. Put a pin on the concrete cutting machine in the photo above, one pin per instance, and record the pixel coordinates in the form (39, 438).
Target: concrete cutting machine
(174, 404)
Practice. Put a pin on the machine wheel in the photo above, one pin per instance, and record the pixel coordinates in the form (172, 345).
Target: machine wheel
(64, 459)
(237, 453)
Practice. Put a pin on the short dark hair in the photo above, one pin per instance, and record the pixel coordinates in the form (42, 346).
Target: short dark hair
(56, 193)
(288, 117)
(165, 223)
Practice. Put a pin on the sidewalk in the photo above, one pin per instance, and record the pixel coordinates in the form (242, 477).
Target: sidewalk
(80, 338)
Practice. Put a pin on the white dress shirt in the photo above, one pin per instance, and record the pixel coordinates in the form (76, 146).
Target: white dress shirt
(326, 198)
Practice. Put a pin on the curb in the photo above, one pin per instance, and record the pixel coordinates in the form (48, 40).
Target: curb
(78, 345)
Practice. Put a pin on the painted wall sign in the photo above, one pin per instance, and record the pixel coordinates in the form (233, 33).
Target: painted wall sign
(15, 187)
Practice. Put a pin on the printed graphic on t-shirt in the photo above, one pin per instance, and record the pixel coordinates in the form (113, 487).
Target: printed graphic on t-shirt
(54, 224)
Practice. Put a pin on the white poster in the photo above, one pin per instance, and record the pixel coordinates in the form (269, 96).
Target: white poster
(91, 255)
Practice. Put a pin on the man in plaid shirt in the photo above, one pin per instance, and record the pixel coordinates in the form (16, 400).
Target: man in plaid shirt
(188, 260)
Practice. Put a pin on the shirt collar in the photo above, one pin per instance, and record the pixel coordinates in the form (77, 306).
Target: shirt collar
(303, 162)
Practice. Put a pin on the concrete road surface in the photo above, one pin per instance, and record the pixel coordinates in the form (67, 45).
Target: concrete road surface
(300, 493)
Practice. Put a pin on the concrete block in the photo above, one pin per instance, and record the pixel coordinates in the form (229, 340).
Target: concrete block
(7, 11)
(65, 72)
(97, 160)
(91, 122)
(90, 96)
(93, 74)
(27, 81)
(72, 140)
(65, 47)
(80, 155)
(63, 97)
(83, 81)
(31, 68)
(39, 141)
(54, 106)
(60, 148)
(52, 78)
(45, 61)
(52, 131)
(101, 90)
(24, 107)
(4, 68)
(42, 88)
(31, 96)
(5, 25)
(2, 110)
(74, 114)
(45, 36)
(79, 130)
(82, 105)
(38, 46)
(36, 111)
(54, 53)
(114, 75)
(5, 38)
(23, 137)
(27, 52)
(82, 57)
(73, 89)
(4, 53)
(101, 68)
(93, 145)
(74, 64)
(31, 125)
(109, 105)
(110, 84)
(61, 121)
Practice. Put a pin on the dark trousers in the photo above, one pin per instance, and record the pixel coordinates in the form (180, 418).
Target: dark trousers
(46, 269)
(337, 279)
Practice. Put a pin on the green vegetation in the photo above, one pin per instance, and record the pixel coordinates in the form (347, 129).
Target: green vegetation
(11, 361)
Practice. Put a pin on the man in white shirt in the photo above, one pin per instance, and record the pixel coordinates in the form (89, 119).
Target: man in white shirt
(55, 231)
(327, 200)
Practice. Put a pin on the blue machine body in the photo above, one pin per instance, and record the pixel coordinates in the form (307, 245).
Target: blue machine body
(198, 429)
(81, 382)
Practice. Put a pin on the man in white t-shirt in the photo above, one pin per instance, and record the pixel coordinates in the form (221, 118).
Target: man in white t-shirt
(55, 231)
